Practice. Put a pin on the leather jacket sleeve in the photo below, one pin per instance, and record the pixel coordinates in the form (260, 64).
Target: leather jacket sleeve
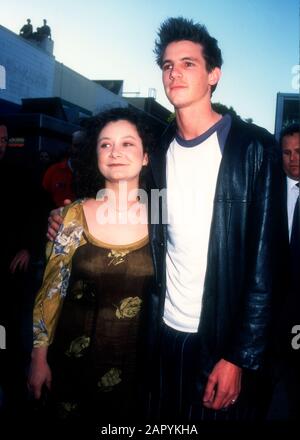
(264, 243)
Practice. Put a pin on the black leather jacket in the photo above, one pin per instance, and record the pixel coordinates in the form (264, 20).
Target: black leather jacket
(246, 240)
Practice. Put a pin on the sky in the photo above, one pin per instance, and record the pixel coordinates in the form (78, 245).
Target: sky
(114, 39)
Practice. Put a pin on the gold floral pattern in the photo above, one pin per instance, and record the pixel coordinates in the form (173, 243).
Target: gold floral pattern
(109, 380)
(40, 330)
(57, 274)
(67, 237)
(65, 409)
(129, 307)
(117, 257)
(77, 346)
(62, 282)
(78, 290)
(93, 329)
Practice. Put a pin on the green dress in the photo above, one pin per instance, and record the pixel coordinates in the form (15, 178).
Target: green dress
(91, 316)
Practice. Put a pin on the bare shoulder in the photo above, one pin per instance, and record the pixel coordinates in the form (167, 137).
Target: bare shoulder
(89, 203)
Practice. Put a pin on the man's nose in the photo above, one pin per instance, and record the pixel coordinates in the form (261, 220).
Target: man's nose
(295, 158)
(175, 72)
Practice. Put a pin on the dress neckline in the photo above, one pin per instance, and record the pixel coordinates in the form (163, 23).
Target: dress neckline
(96, 241)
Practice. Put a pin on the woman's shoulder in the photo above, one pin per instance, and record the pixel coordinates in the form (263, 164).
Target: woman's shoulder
(89, 202)
(73, 211)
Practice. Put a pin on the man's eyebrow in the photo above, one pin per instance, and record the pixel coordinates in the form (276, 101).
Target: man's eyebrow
(181, 59)
(189, 59)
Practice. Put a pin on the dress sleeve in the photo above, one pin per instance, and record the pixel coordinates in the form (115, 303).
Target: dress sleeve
(50, 297)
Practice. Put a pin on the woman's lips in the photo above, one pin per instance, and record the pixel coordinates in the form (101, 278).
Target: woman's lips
(117, 164)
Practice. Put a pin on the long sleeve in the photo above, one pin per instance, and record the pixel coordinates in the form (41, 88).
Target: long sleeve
(49, 300)
(265, 235)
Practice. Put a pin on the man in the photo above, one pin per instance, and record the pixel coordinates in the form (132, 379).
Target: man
(26, 30)
(290, 144)
(43, 31)
(3, 141)
(214, 259)
(285, 403)
(17, 246)
(3, 147)
(215, 269)
(10, 188)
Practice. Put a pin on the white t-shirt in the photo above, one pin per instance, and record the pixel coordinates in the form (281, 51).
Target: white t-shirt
(192, 170)
(292, 195)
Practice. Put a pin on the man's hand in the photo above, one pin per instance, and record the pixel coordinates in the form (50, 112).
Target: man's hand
(55, 220)
(20, 261)
(223, 386)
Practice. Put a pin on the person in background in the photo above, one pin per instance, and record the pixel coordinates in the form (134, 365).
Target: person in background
(58, 178)
(3, 140)
(17, 247)
(27, 30)
(3, 147)
(12, 190)
(43, 31)
(285, 402)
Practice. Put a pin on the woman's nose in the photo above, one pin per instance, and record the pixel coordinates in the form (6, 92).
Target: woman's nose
(115, 151)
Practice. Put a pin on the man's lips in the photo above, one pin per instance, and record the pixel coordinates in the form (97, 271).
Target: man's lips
(177, 86)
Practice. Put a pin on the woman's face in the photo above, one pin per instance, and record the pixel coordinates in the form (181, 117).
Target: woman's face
(120, 152)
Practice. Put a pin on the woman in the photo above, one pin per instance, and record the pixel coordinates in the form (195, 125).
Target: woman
(87, 312)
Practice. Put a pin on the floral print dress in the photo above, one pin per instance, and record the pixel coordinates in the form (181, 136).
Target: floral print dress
(89, 310)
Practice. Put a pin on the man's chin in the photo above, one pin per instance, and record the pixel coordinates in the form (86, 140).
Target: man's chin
(177, 101)
(180, 104)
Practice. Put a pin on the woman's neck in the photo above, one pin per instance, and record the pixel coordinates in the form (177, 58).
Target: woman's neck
(121, 195)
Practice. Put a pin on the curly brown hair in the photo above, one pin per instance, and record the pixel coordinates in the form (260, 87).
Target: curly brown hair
(88, 180)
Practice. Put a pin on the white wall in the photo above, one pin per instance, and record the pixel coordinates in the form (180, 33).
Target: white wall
(29, 71)
(73, 87)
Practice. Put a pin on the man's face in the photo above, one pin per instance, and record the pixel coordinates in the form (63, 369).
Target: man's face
(3, 140)
(185, 77)
(291, 155)
(44, 157)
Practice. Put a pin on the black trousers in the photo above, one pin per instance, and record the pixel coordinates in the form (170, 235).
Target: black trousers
(177, 396)
(285, 401)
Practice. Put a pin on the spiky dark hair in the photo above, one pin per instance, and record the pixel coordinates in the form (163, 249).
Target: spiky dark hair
(178, 29)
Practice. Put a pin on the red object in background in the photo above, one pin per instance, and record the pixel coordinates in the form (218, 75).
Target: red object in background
(16, 142)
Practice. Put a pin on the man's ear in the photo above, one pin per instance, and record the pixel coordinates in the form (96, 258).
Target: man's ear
(214, 76)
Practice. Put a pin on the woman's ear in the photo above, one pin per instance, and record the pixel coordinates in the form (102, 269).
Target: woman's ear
(146, 159)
